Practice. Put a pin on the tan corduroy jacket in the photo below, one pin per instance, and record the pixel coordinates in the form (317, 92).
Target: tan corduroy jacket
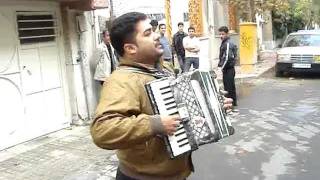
(125, 121)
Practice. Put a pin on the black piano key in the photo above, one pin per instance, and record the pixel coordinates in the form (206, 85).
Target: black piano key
(165, 87)
(176, 112)
(181, 127)
(183, 144)
(172, 107)
(169, 103)
(180, 134)
(165, 92)
(180, 140)
(168, 98)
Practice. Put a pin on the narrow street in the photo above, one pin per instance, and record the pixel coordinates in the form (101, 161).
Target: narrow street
(277, 138)
(66, 63)
(277, 133)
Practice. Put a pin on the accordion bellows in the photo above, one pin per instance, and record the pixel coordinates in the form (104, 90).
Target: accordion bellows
(196, 97)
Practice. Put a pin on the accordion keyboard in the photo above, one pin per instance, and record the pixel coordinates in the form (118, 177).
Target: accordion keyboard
(166, 105)
(195, 96)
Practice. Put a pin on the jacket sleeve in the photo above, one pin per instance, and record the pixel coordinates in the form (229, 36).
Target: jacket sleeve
(174, 48)
(232, 55)
(119, 123)
(103, 65)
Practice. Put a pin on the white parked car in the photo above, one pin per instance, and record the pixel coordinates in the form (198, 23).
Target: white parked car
(300, 52)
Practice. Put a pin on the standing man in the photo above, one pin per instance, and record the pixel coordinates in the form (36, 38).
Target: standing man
(107, 60)
(154, 24)
(167, 52)
(124, 118)
(178, 45)
(191, 45)
(227, 61)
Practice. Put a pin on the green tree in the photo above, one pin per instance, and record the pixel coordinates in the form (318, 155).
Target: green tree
(316, 4)
(247, 9)
(305, 10)
(300, 15)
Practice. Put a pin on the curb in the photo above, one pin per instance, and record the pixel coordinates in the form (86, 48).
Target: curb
(248, 77)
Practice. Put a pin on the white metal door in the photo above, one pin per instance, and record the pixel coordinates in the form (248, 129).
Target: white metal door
(32, 94)
(41, 72)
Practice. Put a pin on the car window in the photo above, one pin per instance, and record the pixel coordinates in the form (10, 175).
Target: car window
(302, 40)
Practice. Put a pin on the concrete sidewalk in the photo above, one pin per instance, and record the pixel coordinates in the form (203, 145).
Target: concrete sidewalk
(69, 154)
(266, 61)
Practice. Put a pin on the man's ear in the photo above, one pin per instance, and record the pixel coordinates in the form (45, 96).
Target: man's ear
(130, 48)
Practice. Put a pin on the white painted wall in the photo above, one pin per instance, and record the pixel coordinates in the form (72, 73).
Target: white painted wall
(34, 99)
(178, 8)
(145, 6)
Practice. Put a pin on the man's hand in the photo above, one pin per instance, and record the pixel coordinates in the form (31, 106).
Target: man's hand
(227, 104)
(170, 123)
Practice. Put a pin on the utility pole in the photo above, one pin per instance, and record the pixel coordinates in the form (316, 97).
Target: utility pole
(111, 10)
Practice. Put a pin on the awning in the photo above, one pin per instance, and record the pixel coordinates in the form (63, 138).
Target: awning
(85, 5)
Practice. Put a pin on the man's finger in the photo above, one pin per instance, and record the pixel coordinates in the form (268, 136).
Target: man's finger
(227, 106)
(227, 100)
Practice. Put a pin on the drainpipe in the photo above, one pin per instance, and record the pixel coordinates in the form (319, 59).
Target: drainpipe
(82, 56)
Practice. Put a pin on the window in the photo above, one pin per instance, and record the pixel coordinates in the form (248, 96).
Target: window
(36, 28)
(185, 17)
(302, 40)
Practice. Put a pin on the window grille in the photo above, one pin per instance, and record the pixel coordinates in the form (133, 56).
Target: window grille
(36, 28)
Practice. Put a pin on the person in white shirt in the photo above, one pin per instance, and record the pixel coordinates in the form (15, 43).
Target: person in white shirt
(191, 45)
(107, 60)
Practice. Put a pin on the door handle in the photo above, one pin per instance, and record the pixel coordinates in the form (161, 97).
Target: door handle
(28, 71)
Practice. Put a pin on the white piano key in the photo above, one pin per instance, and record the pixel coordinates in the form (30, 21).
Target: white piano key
(182, 136)
(167, 96)
(164, 90)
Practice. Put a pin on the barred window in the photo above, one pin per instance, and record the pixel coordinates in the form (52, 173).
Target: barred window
(36, 28)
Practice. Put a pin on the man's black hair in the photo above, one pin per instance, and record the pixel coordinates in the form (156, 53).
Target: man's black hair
(161, 25)
(180, 23)
(123, 30)
(223, 29)
(191, 28)
(104, 32)
(154, 22)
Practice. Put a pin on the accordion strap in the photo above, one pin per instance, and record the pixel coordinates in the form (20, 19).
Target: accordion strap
(155, 73)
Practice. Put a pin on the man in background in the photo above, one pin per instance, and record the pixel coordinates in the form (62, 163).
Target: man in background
(191, 45)
(107, 60)
(167, 52)
(178, 45)
(227, 61)
(154, 24)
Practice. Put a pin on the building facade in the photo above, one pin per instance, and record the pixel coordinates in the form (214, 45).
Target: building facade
(46, 66)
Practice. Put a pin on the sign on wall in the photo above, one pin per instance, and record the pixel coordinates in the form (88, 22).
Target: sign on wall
(98, 4)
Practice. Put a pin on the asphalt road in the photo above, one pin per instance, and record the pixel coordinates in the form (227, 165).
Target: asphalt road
(277, 133)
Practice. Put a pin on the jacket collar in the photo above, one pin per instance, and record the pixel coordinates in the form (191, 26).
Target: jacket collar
(139, 67)
(130, 63)
(225, 40)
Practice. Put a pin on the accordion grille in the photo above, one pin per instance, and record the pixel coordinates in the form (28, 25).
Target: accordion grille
(200, 131)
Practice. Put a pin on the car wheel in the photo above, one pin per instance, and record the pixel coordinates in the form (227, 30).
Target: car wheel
(278, 73)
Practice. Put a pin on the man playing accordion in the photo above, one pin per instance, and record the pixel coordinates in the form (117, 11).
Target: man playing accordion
(124, 117)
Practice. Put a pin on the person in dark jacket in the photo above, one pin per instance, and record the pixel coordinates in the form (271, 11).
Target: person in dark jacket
(227, 60)
(154, 24)
(178, 45)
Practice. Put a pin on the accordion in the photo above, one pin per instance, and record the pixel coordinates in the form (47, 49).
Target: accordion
(196, 97)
